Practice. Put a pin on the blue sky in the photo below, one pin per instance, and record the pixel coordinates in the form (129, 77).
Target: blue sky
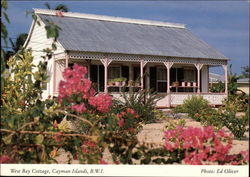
(222, 24)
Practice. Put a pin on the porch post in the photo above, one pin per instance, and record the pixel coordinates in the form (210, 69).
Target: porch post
(106, 63)
(198, 67)
(66, 61)
(142, 64)
(54, 77)
(168, 66)
(226, 79)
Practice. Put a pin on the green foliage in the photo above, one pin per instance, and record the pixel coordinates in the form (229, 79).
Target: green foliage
(22, 110)
(226, 116)
(211, 117)
(60, 7)
(236, 124)
(246, 72)
(218, 87)
(232, 82)
(143, 102)
(18, 44)
(172, 124)
(192, 106)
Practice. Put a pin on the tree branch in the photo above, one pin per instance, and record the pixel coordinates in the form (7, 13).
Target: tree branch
(75, 116)
(46, 133)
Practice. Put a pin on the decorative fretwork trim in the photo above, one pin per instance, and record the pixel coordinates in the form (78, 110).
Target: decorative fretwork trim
(137, 58)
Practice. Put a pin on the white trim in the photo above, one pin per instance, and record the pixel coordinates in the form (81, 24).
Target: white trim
(34, 23)
(109, 18)
(29, 34)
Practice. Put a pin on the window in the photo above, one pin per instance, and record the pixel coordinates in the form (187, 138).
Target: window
(161, 81)
(97, 77)
(114, 72)
(189, 75)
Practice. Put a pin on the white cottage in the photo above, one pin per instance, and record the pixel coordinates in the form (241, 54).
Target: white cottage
(166, 57)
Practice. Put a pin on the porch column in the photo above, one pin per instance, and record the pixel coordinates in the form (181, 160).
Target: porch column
(142, 64)
(168, 66)
(66, 61)
(54, 77)
(226, 79)
(106, 63)
(198, 67)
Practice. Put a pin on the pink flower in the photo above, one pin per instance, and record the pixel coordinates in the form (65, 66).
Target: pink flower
(102, 162)
(131, 111)
(101, 102)
(75, 83)
(234, 163)
(200, 145)
(80, 108)
(87, 146)
(121, 122)
(120, 115)
(5, 159)
(245, 155)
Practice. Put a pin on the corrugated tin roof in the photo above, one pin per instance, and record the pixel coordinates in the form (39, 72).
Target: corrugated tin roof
(80, 34)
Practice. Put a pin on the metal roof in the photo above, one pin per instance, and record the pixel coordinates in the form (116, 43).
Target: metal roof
(106, 36)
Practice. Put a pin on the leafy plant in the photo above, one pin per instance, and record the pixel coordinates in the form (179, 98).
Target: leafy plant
(143, 102)
(218, 87)
(226, 116)
(193, 105)
(236, 124)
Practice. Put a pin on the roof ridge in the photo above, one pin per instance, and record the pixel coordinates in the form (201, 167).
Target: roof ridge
(110, 18)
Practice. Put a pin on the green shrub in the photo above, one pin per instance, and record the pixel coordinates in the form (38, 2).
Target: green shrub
(218, 87)
(236, 124)
(226, 116)
(193, 105)
(210, 117)
(143, 102)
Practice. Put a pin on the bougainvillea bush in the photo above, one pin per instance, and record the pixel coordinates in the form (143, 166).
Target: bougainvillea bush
(203, 146)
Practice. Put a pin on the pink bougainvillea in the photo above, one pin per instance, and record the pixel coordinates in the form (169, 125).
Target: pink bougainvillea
(5, 159)
(103, 162)
(121, 122)
(80, 108)
(128, 121)
(76, 88)
(202, 146)
(101, 102)
(88, 146)
(75, 83)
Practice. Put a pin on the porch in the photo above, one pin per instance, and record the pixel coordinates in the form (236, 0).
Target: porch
(174, 78)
